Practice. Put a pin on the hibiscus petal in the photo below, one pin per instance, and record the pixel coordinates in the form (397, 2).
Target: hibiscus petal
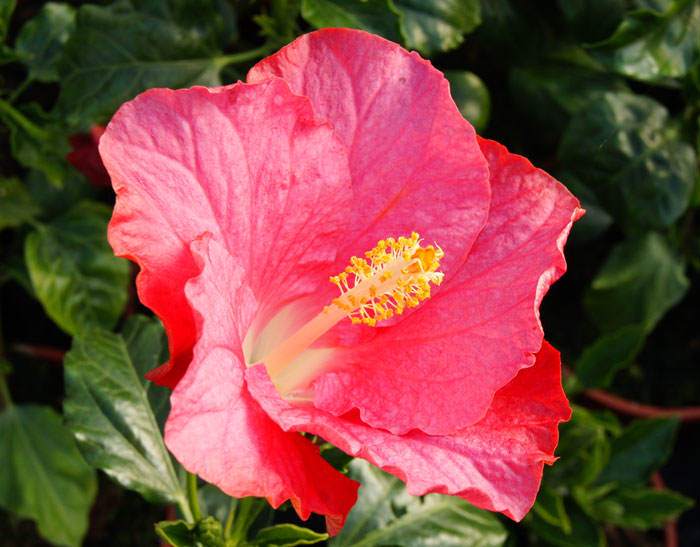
(439, 370)
(218, 431)
(248, 164)
(495, 464)
(415, 162)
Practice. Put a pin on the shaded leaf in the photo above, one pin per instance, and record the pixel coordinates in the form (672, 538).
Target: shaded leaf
(656, 42)
(44, 477)
(278, 23)
(75, 275)
(622, 147)
(40, 42)
(471, 97)
(549, 94)
(584, 448)
(551, 509)
(7, 7)
(36, 142)
(108, 411)
(386, 515)
(610, 353)
(287, 535)
(118, 51)
(374, 16)
(16, 204)
(585, 532)
(643, 447)
(596, 220)
(592, 20)
(54, 200)
(640, 281)
(215, 502)
(640, 507)
(431, 26)
(177, 533)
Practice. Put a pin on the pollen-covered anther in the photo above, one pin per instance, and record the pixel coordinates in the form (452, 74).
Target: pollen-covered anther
(394, 275)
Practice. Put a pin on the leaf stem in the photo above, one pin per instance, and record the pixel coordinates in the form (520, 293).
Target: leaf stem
(239, 529)
(5, 397)
(21, 88)
(192, 496)
(235, 58)
(229, 518)
(10, 112)
(5, 393)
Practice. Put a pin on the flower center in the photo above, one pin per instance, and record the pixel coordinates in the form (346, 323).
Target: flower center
(394, 275)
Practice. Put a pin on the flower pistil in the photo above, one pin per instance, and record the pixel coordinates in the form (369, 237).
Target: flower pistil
(395, 274)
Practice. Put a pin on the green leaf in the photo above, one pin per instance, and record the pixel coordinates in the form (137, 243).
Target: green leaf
(551, 509)
(623, 147)
(75, 275)
(596, 220)
(386, 515)
(641, 507)
(7, 7)
(16, 204)
(107, 409)
(643, 447)
(177, 533)
(36, 141)
(640, 281)
(374, 16)
(215, 502)
(471, 97)
(56, 200)
(549, 94)
(40, 42)
(655, 44)
(610, 353)
(287, 535)
(584, 448)
(44, 477)
(592, 20)
(118, 51)
(148, 348)
(278, 23)
(431, 26)
(584, 531)
(205, 533)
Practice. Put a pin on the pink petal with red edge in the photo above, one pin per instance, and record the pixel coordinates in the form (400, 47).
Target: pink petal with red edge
(495, 464)
(415, 162)
(218, 431)
(248, 164)
(438, 370)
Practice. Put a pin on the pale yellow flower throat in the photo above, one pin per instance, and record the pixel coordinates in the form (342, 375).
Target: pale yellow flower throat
(396, 274)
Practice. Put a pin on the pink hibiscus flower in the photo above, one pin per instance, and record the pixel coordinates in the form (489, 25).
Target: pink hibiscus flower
(240, 202)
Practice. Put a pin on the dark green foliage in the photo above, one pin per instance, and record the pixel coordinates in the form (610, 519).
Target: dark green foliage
(604, 94)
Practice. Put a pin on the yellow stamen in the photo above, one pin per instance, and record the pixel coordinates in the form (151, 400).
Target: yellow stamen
(395, 275)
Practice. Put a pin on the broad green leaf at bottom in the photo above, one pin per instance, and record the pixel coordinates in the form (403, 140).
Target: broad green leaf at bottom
(43, 476)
